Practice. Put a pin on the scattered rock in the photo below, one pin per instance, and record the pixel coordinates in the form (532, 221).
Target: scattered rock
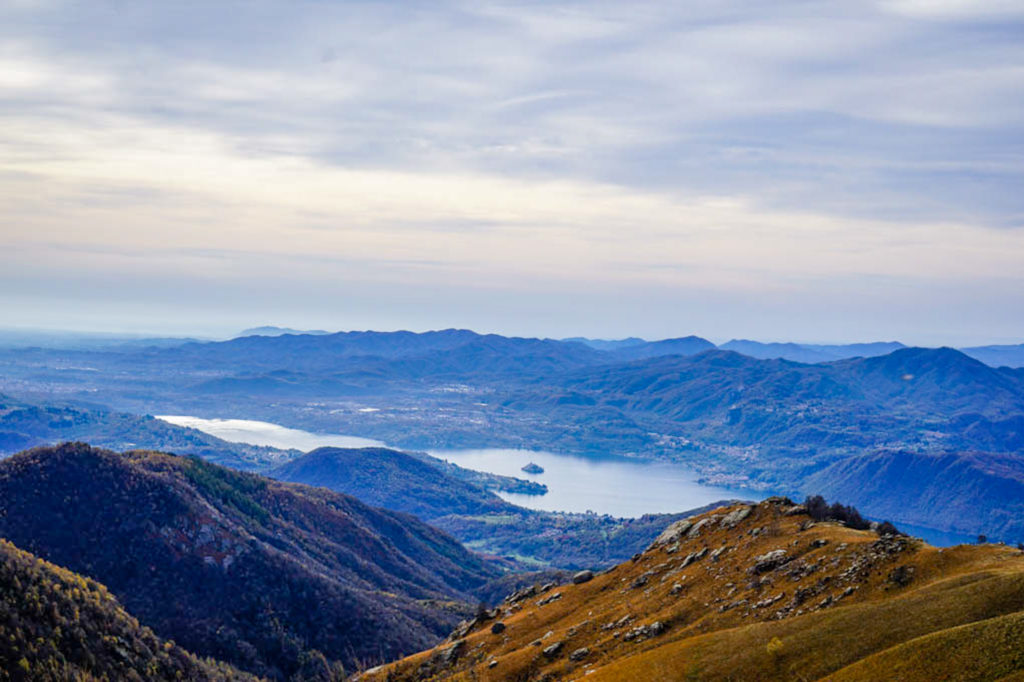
(579, 654)
(901, 575)
(492, 663)
(620, 623)
(734, 517)
(769, 561)
(521, 594)
(642, 632)
(553, 650)
(463, 629)
(498, 628)
(696, 528)
(583, 577)
(693, 556)
(550, 598)
(673, 533)
(451, 654)
(765, 603)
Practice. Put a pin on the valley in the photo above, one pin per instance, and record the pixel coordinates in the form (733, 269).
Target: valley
(754, 425)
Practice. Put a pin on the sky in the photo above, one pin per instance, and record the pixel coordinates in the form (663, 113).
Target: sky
(784, 170)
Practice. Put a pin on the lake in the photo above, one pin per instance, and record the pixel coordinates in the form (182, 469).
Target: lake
(265, 433)
(609, 485)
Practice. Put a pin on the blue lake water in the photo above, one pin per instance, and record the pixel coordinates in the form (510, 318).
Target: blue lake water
(609, 485)
(265, 433)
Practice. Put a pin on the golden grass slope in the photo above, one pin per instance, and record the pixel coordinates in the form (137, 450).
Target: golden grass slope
(756, 593)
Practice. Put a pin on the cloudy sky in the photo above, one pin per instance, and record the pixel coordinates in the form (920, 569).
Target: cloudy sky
(781, 170)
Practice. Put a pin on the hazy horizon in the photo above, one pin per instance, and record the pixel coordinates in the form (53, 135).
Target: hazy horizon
(820, 171)
(211, 335)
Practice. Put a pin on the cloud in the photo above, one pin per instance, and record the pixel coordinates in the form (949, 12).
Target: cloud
(729, 148)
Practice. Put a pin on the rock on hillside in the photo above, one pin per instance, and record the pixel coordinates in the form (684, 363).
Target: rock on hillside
(754, 592)
(259, 573)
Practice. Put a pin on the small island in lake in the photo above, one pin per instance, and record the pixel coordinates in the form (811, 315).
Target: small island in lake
(533, 468)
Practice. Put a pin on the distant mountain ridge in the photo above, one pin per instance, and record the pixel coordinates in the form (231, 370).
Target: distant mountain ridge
(279, 331)
(26, 424)
(263, 574)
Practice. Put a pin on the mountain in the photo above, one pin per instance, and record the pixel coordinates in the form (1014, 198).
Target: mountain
(810, 353)
(390, 479)
(740, 421)
(689, 345)
(956, 491)
(58, 625)
(24, 425)
(774, 351)
(279, 331)
(998, 356)
(775, 423)
(763, 592)
(264, 575)
(605, 344)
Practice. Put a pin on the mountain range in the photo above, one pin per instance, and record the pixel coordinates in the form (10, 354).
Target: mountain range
(773, 425)
(261, 574)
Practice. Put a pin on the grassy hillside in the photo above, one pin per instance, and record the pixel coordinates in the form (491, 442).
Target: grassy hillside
(252, 571)
(756, 593)
(57, 625)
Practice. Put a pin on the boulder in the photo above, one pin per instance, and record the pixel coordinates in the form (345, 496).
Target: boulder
(769, 561)
(582, 577)
(553, 650)
(673, 533)
(734, 517)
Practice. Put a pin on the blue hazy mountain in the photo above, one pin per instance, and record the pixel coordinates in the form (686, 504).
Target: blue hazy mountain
(279, 331)
(767, 423)
(607, 344)
(998, 356)
(810, 353)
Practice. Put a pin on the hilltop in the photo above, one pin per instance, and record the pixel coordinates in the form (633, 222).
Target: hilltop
(263, 574)
(761, 592)
(58, 625)
(391, 479)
